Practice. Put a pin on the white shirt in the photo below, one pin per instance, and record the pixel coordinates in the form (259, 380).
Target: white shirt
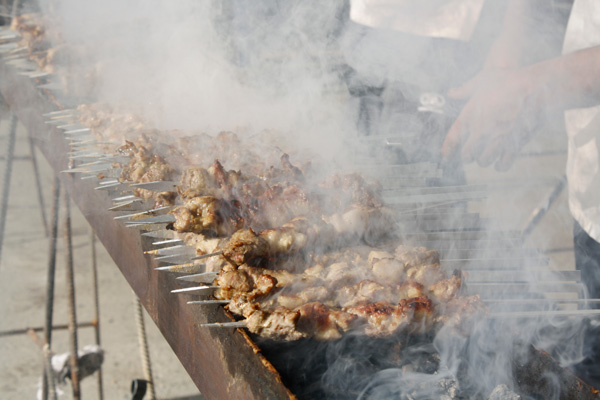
(583, 128)
(452, 19)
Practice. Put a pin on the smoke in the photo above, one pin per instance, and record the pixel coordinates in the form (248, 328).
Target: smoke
(303, 69)
(212, 66)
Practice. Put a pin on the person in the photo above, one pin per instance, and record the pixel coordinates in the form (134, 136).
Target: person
(505, 105)
(400, 50)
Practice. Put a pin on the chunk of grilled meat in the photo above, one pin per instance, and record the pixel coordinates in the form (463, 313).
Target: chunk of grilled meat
(316, 320)
(278, 325)
(207, 214)
(414, 315)
(244, 246)
(459, 313)
(292, 290)
(310, 320)
(292, 238)
(144, 166)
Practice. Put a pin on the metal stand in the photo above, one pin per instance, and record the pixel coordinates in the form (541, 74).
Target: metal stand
(38, 184)
(50, 288)
(71, 297)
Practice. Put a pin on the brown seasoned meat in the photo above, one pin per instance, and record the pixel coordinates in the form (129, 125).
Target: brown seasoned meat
(351, 189)
(197, 215)
(416, 256)
(383, 319)
(308, 295)
(388, 270)
(460, 312)
(207, 213)
(278, 325)
(426, 275)
(445, 290)
(244, 246)
(143, 165)
(281, 202)
(368, 292)
(322, 323)
(263, 213)
(195, 181)
(241, 282)
(310, 320)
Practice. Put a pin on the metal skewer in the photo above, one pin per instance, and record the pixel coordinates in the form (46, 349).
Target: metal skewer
(185, 268)
(168, 241)
(203, 277)
(208, 289)
(236, 324)
(216, 253)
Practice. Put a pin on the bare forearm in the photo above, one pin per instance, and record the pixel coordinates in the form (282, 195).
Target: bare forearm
(568, 81)
(532, 30)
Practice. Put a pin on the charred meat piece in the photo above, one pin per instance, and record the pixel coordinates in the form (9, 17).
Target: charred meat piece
(383, 319)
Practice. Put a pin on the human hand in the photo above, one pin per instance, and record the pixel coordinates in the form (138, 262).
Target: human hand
(497, 120)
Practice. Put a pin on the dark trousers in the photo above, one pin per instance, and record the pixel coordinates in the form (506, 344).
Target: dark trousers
(587, 260)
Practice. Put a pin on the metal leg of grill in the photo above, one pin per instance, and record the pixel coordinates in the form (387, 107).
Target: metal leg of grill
(49, 375)
(50, 282)
(71, 298)
(10, 153)
(96, 305)
(36, 174)
(144, 351)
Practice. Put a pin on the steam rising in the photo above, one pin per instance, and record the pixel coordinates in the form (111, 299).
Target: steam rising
(285, 65)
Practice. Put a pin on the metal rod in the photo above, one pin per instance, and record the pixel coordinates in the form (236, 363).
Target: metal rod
(17, 158)
(94, 263)
(36, 174)
(71, 298)
(22, 331)
(539, 213)
(51, 273)
(47, 353)
(144, 350)
(10, 152)
(203, 288)
(544, 313)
